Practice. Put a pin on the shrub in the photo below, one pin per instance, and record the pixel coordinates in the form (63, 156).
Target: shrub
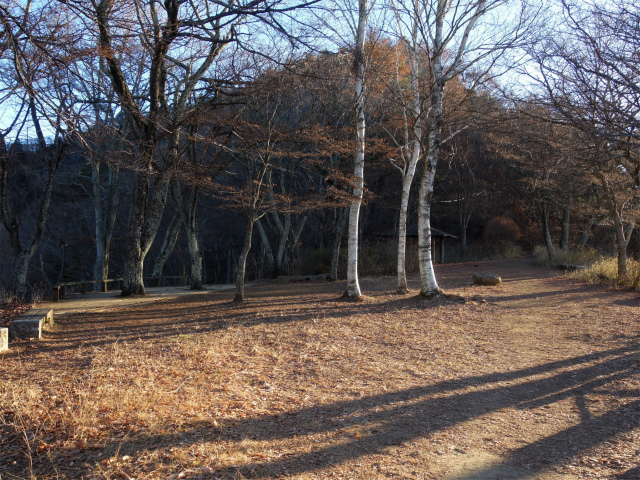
(501, 230)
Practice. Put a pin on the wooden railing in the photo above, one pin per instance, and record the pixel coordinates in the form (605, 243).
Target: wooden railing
(61, 289)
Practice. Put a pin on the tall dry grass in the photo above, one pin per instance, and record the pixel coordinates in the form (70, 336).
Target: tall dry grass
(600, 268)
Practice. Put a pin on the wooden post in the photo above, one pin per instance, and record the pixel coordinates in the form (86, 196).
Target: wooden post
(441, 249)
(103, 285)
(84, 287)
(55, 293)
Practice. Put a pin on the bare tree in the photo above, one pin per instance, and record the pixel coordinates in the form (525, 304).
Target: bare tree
(179, 48)
(455, 36)
(35, 82)
(590, 79)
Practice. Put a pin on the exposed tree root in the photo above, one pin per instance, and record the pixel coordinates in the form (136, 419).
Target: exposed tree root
(441, 295)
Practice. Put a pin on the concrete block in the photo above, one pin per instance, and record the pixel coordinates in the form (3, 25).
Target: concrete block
(47, 314)
(4, 339)
(30, 324)
(28, 328)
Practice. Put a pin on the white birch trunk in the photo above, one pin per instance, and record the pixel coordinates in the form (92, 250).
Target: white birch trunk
(353, 286)
(341, 214)
(428, 284)
(410, 169)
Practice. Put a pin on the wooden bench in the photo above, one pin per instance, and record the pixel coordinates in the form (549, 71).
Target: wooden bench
(60, 290)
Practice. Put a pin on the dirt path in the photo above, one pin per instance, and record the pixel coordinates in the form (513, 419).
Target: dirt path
(537, 379)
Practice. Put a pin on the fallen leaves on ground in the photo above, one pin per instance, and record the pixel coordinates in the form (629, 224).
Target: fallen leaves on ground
(540, 372)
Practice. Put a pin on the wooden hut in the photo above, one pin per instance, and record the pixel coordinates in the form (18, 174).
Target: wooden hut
(437, 236)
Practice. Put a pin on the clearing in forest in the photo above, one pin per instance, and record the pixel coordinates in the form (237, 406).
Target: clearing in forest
(536, 378)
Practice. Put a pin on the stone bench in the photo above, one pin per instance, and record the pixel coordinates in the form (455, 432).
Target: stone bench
(29, 325)
(302, 278)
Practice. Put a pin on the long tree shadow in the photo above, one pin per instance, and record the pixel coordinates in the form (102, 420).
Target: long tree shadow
(395, 418)
(415, 413)
(169, 318)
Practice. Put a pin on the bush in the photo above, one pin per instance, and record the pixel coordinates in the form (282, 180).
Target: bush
(501, 230)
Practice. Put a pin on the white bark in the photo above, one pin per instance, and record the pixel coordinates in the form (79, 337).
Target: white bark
(410, 168)
(428, 284)
(353, 286)
(341, 216)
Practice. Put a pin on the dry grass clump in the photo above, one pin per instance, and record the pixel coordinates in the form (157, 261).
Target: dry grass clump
(574, 256)
(606, 271)
(601, 268)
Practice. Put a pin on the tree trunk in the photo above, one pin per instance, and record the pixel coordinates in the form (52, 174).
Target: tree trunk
(410, 169)
(402, 227)
(428, 284)
(621, 243)
(267, 249)
(353, 286)
(105, 217)
(546, 234)
(11, 223)
(132, 270)
(242, 261)
(22, 270)
(146, 213)
(284, 231)
(341, 214)
(193, 245)
(566, 215)
(168, 244)
(463, 221)
(586, 232)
